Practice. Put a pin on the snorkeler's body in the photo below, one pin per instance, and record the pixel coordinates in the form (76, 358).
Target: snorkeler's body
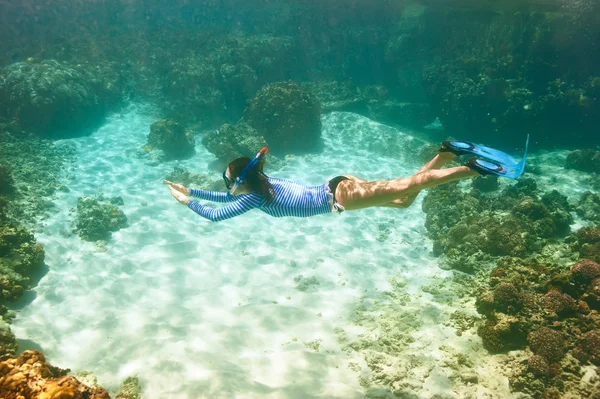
(276, 197)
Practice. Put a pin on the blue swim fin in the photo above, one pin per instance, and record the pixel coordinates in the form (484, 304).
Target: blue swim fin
(510, 170)
(466, 147)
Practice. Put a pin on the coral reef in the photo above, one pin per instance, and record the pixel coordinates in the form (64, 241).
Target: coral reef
(172, 138)
(8, 341)
(287, 116)
(37, 170)
(584, 160)
(98, 218)
(588, 206)
(56, 99)
(232, 141)
(471, 228)
(20, 256)
(131, 389)
(496, 78)
(213, 88)
(30, 376)
(586, 241)
(551, 317)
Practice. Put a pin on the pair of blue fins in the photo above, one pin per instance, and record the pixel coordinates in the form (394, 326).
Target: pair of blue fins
(490, 160)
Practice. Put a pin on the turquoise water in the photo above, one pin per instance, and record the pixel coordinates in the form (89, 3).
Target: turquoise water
(483, 288)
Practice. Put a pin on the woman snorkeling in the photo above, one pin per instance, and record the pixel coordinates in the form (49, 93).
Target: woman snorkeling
(249, 188)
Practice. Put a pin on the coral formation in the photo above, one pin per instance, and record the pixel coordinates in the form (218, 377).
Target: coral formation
(587, 243)
(131, 389)
(584, 160)
(547, 343)
(172, 138)
(232, 141)
(588, 206)
(98, 218)
(37, 167)
(470, 228)
(8, 341)
(20, 256)
(56, 99)
(287, 116)
(30, 376)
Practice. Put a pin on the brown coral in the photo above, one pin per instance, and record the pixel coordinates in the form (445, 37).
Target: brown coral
(585, 271)
(561, 304)
(31, 377)
(547, 343)
(507, 298)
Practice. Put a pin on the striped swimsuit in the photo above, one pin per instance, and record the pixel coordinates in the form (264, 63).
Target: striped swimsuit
(290, 199)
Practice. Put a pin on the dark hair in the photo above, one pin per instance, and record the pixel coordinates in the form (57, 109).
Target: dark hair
(255, 179)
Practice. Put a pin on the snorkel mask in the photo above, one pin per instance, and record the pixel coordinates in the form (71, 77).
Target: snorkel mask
(240, 179)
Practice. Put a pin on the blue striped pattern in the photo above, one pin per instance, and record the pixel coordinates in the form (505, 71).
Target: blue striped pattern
(291, 199)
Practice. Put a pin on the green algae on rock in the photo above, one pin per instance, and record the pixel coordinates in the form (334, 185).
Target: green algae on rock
(172, 138)
(287, 116)
(97, 218)
(56, 99)
(131, 389)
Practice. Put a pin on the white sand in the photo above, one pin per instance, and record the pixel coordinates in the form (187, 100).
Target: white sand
(188, 304)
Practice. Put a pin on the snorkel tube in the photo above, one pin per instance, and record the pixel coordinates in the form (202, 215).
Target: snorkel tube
(240, 179)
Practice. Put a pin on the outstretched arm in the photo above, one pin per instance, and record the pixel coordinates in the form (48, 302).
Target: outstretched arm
(214, 196)
(242, 204)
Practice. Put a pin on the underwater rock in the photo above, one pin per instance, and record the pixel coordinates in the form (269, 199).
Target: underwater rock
(589, 347)
(172, 138)
(55, 99)
(584, 160)
(507, 298)
(485, 184)
(561, 304)
(213, 88)
(287, 116)
(37, 169)
(538, 366)
(8, 341)
(585, 271)
(30, 376)
(232, 141)
(548, 343)
(503, 334)
(587, 243)
(20, 256)
(97, 219)
(131, 389)
(588, 206)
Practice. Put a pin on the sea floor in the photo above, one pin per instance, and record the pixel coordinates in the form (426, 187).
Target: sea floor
(253, 307)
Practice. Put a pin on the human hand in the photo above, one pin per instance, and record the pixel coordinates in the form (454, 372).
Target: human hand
(179, 187)
(179, 196)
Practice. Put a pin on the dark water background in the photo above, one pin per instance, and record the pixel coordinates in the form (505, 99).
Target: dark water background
(484, 68)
